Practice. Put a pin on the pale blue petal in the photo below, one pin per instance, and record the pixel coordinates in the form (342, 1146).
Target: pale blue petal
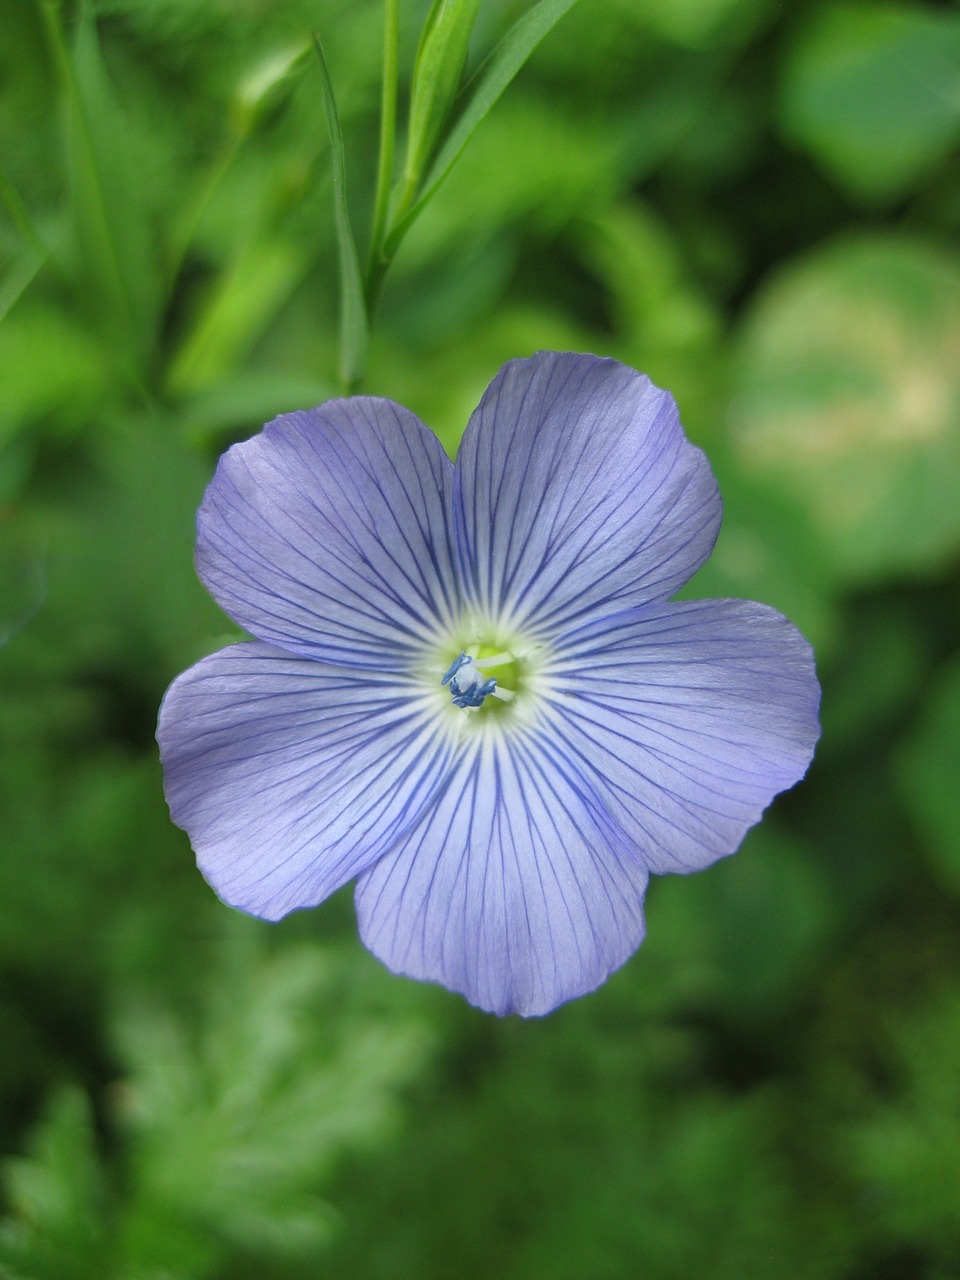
(578, 490)
(291, 776)
(688, 718)
(328, 534)
(514, 889)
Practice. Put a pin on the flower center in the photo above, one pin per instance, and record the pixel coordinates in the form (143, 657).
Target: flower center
(484, 676)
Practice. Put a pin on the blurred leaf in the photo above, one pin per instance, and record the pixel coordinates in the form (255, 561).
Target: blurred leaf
(880, 669)
(768, 550)
(663, 324)
(902, 1146)
(695, 22)
(48, 364)
(22, 589)
(20, 217)
(353, 309)
(56, 1196)
(16, 463)
(747, 936)
(33, 253)
(259, 86)
(703, 1195)
(120, 282)
(442, 295)
(929, 776)
(246, 401)
(847, 398)
(23, 272)
(243, 302)
(874, 92)
(596, 1142)
(531, 162)
(140, 532)
(236, 1129)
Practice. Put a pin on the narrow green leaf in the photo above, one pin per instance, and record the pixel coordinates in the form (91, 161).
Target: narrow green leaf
(436, 78)
(491, 80)
(34, 253)
(21, 218)
(21, 276)
(262, 84)
(388, 130)
(353, 313)
(110, 218)
(245, 300)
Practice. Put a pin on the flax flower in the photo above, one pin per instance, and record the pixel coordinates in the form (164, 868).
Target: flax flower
(468, 688)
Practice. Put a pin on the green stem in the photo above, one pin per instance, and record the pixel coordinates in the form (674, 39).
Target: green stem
(406, 198)
(388, 131)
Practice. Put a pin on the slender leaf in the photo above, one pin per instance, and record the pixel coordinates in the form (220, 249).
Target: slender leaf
(246, 299)
(436, 77)
(491, 80)
(354, 327)
(20, 217)
(388, 130)
(110, 217)
(21, 275)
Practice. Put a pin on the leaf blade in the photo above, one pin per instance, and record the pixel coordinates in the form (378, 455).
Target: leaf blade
(494, 77)
(354, 325)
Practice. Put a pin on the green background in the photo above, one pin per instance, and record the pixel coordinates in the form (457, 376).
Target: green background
(757, 204)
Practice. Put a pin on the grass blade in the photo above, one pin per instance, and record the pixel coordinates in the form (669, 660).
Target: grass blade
(353, 313)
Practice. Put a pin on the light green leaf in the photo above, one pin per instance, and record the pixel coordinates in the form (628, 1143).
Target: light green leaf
(48, 364)
(874, 92)
(491, 80)
(664, 324)
(56, 1228)
(21, 275)
(847, 398)
(236, 1125)
(436, 77)
(34, 252)
(119, 278)
(244, 301)
(354, 326)
(260, 85)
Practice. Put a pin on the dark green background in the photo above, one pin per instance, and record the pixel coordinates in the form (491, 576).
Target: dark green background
(757, 204)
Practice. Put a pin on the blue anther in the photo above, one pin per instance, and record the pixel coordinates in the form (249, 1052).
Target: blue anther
(468, 685)
(455, 666)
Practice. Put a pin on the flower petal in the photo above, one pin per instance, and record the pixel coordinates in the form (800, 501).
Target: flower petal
(514, 889)
(290, 776)
(328, 534)
(689, 719)
(577, 488)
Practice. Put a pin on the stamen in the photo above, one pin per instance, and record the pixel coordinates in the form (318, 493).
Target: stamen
(467, 683)
(455, 666)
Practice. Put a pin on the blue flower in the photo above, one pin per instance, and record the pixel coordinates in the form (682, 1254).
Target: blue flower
(468, 688)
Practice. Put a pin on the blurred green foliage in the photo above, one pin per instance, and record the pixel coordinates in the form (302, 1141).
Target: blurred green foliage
(756, 204)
